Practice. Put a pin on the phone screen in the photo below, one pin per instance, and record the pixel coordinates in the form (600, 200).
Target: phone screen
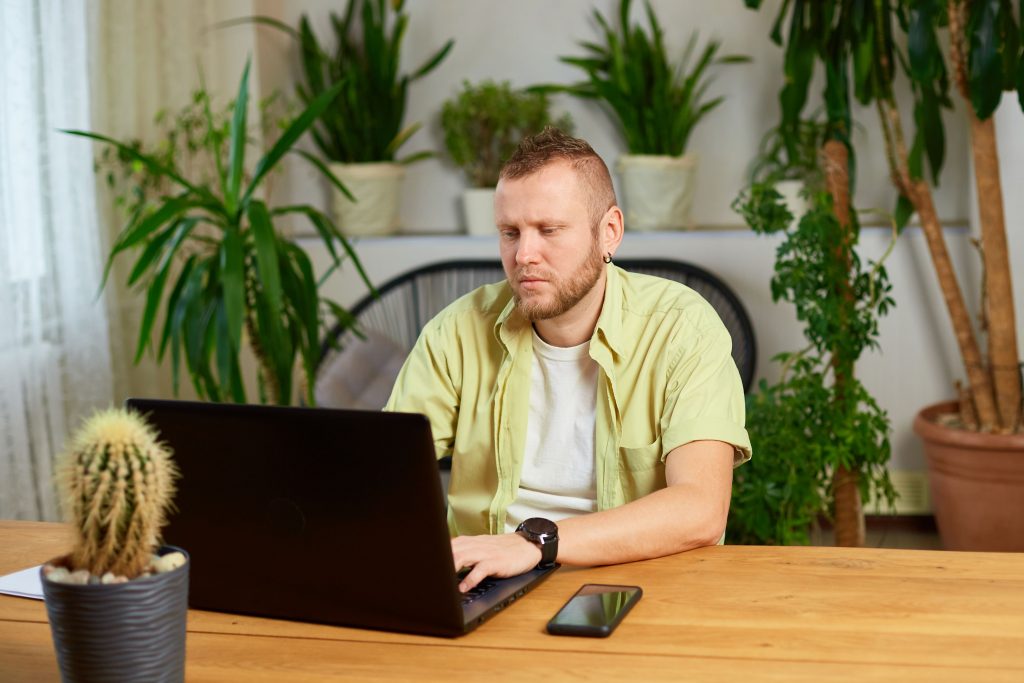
(595, 610)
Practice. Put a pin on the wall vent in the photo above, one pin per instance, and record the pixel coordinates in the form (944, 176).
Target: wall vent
(914, 495)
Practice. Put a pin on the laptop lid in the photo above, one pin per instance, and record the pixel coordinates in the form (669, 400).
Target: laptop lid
(314, 514)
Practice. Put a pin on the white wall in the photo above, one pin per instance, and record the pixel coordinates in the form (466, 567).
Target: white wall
(521, 41)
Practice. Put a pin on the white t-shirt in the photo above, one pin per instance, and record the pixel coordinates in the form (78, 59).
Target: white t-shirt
(557, 479)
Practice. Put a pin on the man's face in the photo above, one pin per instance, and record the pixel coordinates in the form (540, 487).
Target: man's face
(549, 247)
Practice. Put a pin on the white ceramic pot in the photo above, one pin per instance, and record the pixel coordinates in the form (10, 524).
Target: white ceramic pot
(657, 191)
(377, 188)
(478, 210)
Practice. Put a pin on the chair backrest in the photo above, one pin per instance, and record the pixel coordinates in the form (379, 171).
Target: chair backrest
(358, 373)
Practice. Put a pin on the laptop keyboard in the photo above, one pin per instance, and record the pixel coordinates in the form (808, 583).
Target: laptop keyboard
(477, 591)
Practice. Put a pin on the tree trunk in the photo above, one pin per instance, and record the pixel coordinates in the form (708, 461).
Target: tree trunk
(980, 384)
(999, 311)
(849, 516)
(1001, 388)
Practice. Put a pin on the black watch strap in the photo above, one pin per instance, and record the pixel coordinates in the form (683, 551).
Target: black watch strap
(543, 533)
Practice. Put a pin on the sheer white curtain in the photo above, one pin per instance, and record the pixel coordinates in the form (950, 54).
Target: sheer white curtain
(108, 66)
(146, 57)
(55, 364)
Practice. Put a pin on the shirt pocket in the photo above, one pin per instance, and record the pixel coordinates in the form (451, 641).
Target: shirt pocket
(641, 470)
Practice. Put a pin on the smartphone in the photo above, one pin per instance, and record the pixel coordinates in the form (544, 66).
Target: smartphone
(595, 610)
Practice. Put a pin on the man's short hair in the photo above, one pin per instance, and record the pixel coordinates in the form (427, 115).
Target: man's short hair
(550, 145)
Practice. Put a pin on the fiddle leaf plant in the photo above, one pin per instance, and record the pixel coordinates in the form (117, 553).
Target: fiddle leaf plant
(211, 254)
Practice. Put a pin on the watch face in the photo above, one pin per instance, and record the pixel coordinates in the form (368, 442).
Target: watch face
(538, 526)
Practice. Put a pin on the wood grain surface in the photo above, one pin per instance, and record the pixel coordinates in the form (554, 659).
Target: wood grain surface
(719, 613)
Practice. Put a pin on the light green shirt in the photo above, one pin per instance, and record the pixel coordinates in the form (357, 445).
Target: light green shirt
(666, 378)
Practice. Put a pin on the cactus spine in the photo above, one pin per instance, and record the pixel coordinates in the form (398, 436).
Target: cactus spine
(116, 483)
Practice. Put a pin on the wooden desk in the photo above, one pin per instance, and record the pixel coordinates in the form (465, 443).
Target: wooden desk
(734, 613)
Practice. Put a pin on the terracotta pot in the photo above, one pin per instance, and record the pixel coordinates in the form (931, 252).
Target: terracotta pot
(977, 484)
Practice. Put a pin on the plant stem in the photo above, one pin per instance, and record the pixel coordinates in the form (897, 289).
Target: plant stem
(1004, 368)
(849, 521)
(920, 195)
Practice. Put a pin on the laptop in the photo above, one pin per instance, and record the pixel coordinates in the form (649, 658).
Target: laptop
(321, 515)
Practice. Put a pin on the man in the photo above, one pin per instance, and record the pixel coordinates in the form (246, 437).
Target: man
(594, 416)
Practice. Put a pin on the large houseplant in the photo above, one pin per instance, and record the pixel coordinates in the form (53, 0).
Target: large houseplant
(482, 125)
(974, 508)
(360, 135)
(236, 277)
(656, 104)
(117, 603)
(817, 428)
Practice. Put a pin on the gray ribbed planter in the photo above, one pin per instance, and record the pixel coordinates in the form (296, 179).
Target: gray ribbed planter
(132, 631)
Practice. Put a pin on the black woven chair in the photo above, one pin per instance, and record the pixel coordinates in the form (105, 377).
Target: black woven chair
(392, 322)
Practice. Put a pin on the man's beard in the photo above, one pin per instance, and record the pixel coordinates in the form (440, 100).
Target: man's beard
(568, 291)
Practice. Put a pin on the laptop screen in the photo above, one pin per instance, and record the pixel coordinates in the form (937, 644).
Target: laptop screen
(312, 514)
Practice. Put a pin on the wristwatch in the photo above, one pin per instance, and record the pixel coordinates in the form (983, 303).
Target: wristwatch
(543, 533)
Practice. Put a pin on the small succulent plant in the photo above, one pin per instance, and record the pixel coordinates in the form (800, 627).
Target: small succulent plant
(116, 482)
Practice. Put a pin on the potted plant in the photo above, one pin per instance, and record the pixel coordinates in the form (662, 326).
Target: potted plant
(656, 105)
(482, 125)
(974, 445)
(215, 258)
(361, 134)
(817, 429)
(117, 603)
(790, 163)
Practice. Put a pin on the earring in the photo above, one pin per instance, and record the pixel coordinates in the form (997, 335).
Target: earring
(608, 257)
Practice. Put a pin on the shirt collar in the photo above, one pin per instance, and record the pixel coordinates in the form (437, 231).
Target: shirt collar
(609, 324)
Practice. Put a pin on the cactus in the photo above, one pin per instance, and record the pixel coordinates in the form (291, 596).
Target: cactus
(116, 482)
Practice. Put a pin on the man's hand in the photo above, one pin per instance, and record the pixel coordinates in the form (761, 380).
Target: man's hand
(502, 555)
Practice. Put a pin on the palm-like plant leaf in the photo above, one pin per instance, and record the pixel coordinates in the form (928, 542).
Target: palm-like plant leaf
(238, 273)
(236, 153)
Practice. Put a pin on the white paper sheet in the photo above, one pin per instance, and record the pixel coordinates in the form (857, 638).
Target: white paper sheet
(24, 584)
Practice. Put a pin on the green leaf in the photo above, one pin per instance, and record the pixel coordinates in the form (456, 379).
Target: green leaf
(232, 267)
(413, 158)
(291, 136)
(322, 167)
(903, 213)
(401, 139)
(172, 306)
(154, 292)
(433, 61)
(188, 303)
(168, 212)
(985, 67)
(150, 253)
(149, 162)
(266, 256)
(237, 149)
(266, 21)
(323, 225)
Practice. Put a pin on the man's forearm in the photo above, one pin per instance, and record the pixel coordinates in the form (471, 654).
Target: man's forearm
(665, 522)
